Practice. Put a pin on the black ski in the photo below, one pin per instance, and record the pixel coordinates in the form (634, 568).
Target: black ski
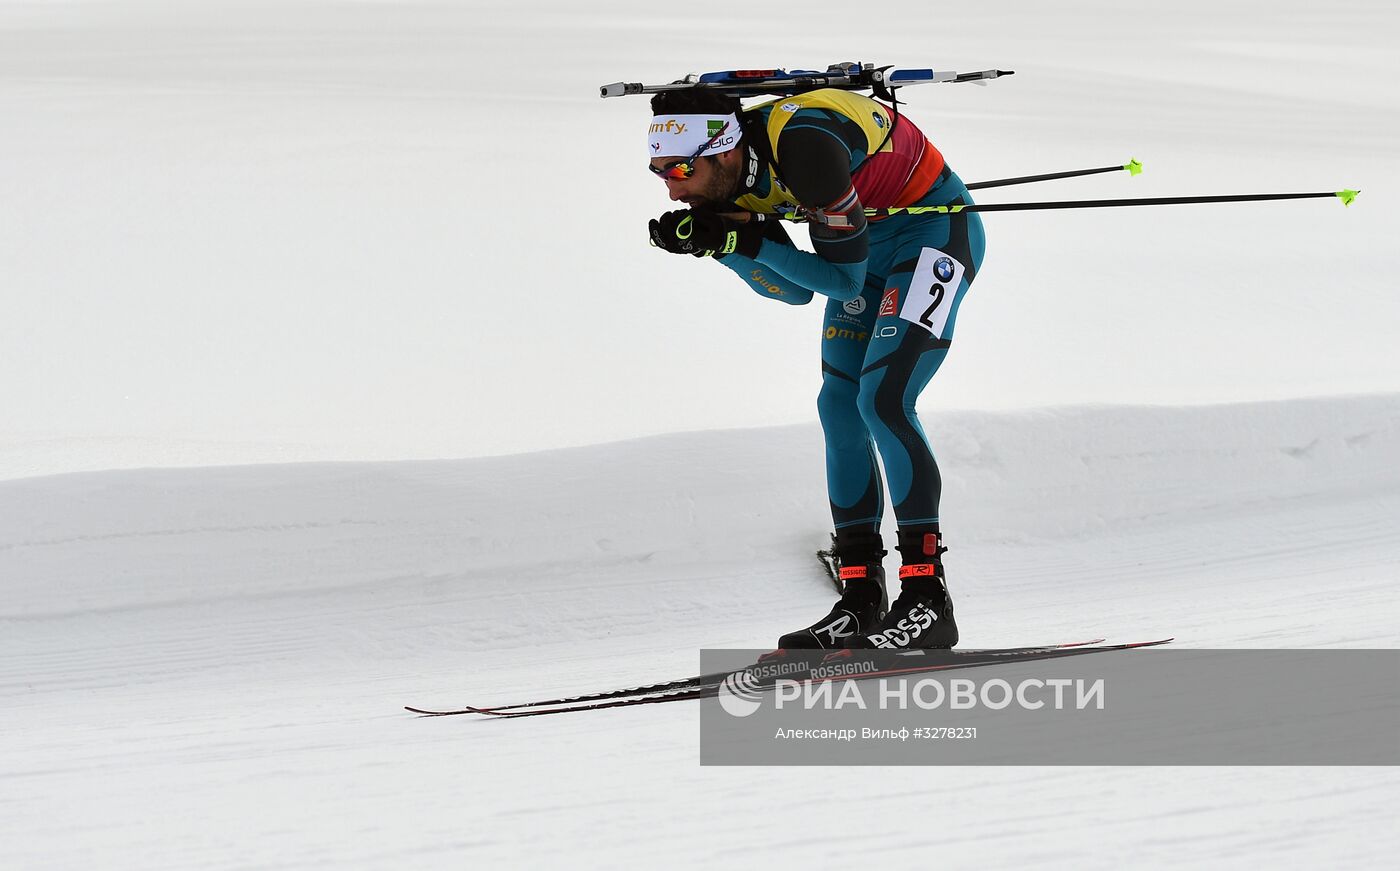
(705, 681)
(981, 658)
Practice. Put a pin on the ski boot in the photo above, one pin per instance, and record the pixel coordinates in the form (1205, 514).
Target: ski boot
(863, 599)
(922, 615)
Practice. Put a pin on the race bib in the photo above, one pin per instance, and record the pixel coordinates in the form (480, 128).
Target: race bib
(932, 290)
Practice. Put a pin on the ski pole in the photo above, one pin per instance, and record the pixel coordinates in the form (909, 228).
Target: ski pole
(1133, 167)
(1346, 196)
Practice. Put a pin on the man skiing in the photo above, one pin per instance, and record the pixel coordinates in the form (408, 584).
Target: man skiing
(893, 286)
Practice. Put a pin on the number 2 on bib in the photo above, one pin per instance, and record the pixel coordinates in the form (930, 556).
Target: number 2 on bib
(932, 290)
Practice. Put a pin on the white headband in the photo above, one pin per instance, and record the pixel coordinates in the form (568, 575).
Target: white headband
(683, 135)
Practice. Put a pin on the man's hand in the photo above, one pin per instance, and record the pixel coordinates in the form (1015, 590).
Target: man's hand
(674, 232)
(704, 233)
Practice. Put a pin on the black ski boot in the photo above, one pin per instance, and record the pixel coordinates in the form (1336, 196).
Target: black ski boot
(863, 600)
(922, 615)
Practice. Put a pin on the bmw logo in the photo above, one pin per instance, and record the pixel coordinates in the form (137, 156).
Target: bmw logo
(879, 120)
(943, 268)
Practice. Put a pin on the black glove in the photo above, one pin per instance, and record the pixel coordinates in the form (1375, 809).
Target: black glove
(704, 233)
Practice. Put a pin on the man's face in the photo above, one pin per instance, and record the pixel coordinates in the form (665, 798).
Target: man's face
(714, 181)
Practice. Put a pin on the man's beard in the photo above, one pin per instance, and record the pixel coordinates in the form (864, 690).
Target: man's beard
(720, 189)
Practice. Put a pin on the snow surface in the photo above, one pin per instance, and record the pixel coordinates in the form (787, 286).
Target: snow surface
(204, 667)
(300, 234)
(260, 231)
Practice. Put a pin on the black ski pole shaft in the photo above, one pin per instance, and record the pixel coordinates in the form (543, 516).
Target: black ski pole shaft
(1133, 167)
(1346, 196)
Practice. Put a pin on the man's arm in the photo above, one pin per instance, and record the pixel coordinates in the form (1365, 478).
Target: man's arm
(815, 162)
(764, 280)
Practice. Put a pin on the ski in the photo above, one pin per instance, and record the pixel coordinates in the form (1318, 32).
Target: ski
(976, 658)
(680, 695)
(710, 691)
(703, 682)
(680, 684)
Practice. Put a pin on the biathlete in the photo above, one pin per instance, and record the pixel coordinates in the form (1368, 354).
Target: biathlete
(893, 286)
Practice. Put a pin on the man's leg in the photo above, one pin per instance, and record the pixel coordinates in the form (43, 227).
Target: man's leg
(853, 478)
(932, 270)
(852, 474)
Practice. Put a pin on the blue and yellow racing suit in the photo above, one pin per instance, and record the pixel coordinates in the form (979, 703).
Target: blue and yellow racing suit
(894, 284)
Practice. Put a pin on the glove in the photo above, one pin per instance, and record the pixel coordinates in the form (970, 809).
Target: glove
(674, 232)
(704, 233)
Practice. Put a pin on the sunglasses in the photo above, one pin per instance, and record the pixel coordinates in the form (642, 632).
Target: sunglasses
(679, 169)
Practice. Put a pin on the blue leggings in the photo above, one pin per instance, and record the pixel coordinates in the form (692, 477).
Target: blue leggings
(879, 352)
